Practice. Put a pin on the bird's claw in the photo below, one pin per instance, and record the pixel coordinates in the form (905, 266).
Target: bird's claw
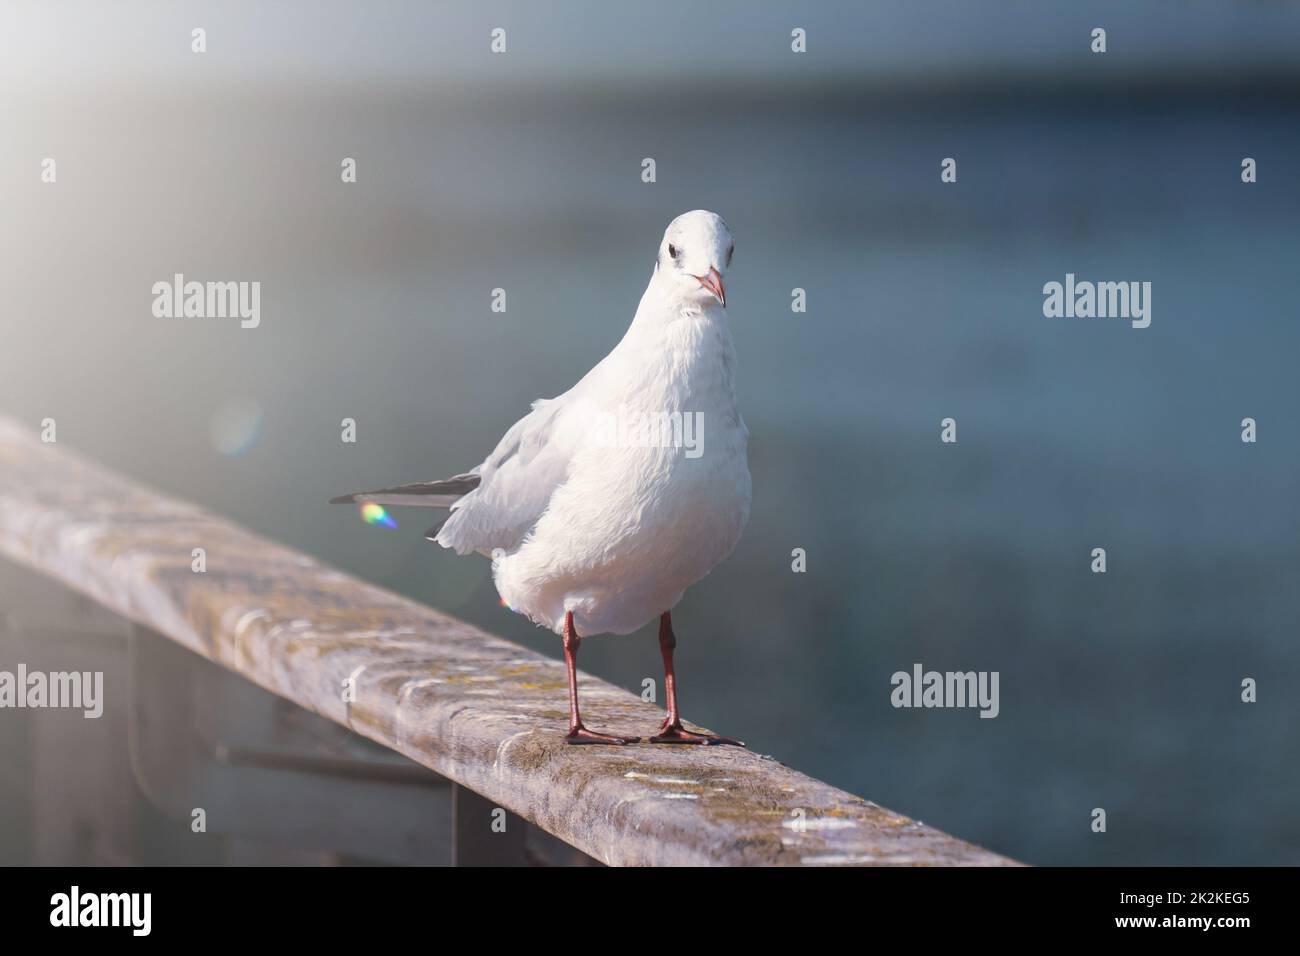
(581, 735)
(677, 734)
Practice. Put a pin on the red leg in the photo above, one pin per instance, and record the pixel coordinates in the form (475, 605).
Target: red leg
(671, 730)
(579, 734)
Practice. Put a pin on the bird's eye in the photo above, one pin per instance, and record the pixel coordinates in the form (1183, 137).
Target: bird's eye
(672, 251)
(729, 252)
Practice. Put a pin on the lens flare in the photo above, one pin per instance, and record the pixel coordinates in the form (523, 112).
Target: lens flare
(236, 426)
(372, 513)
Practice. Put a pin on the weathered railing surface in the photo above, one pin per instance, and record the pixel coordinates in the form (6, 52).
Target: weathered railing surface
(480, 710)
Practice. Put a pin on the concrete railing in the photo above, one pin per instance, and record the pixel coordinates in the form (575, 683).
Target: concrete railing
(477, 709)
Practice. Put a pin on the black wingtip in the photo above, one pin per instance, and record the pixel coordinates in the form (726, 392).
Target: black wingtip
(432, 533)
(343, 500)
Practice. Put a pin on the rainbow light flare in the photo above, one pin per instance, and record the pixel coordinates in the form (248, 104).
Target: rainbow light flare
(372, 513)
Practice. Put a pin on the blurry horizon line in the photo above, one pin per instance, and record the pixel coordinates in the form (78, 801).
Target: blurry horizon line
(1267, 82)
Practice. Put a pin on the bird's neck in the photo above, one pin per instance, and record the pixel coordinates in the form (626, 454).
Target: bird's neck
(681, 345)
(664, 306)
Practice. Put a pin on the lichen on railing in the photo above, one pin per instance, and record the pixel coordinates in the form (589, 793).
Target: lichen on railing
(485, 712)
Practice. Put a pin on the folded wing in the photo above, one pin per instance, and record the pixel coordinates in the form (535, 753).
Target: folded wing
(516, 483)
(496, 504)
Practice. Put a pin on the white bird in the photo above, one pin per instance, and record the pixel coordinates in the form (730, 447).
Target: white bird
(603, 505)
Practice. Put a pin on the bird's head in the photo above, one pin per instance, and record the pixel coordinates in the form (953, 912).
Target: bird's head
(694, 256)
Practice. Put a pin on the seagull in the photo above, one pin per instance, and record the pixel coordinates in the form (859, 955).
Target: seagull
(601, 506)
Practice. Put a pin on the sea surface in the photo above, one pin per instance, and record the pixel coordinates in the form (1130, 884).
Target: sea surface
(1118, 690)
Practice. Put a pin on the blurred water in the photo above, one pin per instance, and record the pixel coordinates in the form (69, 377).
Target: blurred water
(1118, 690)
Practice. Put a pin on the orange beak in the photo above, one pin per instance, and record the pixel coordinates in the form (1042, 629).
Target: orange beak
(713, 282)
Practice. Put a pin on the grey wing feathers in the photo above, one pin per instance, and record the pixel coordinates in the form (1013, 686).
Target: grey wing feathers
(427, 494)
(496, 504)
(432, 533)
(518, 480)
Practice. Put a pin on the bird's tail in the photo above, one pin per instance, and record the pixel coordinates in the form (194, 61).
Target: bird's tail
(421, 494)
